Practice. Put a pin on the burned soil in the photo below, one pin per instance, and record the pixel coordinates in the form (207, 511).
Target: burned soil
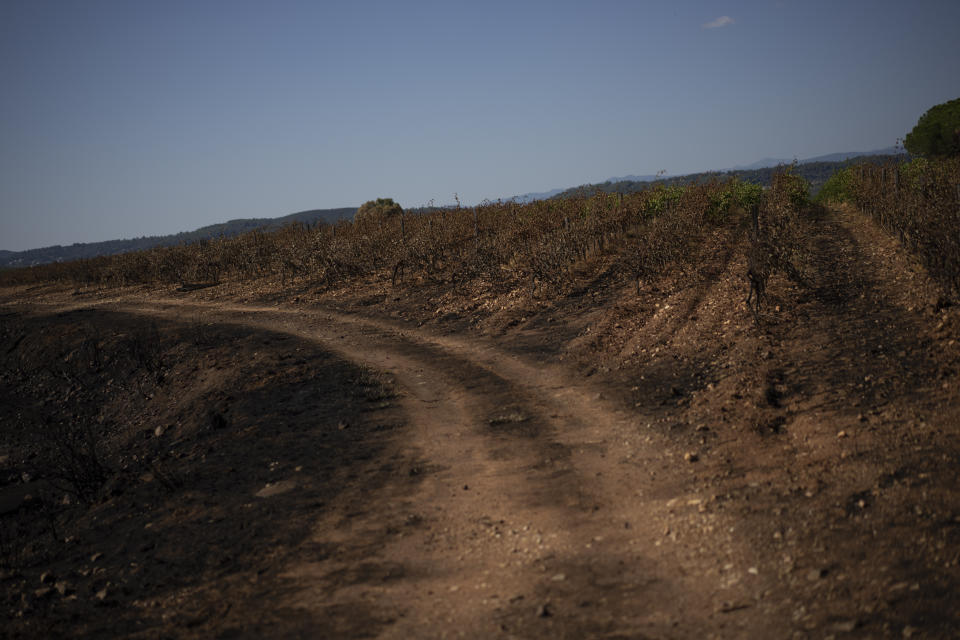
(426, 461)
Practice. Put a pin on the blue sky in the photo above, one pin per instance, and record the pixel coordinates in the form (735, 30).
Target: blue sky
(128, 118)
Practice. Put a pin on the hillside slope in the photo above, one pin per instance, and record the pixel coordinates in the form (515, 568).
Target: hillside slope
(77, 251)
(430, 460)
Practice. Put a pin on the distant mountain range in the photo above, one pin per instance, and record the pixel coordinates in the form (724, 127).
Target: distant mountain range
(59, 253)
(759, 164)
(816, 170)
(640, 178)
(830, 157)
(530, 197)
(546, 195)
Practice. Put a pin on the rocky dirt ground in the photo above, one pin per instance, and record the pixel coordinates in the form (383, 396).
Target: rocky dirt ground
(432, 462)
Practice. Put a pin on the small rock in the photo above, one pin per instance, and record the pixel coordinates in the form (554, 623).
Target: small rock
(63, 588)
(730, 607)
(691, 456)
(276, 488)
(514, 417)
(845, 626)
(102, 594)
(47, 577)
(96, 556)
(42, 592)
(815, 574)
(342, 425)
(545, 610)
(841, 434)
(159, 431)
(560, 577)
(908, 631)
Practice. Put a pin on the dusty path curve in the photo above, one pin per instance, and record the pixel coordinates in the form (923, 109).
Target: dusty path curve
(545, 510)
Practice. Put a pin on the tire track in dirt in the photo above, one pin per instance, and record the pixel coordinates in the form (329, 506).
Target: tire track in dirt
(545, 510)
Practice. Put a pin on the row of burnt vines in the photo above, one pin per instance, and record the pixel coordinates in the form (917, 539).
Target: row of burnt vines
(536, 247)
(918, 202)
(779, 236)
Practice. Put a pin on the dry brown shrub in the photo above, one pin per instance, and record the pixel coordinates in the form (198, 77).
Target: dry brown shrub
(918, 202)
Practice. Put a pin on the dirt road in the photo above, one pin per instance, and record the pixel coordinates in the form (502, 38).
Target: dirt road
(544, 508)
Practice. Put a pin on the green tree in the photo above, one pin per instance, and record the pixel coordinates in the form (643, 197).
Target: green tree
(381, 208)
(839, 188)
(937, 133)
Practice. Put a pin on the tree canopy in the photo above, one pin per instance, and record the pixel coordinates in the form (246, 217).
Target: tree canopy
(937, 133)
(379, 208)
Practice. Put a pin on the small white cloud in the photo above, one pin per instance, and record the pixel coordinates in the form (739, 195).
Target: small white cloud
(722, 21)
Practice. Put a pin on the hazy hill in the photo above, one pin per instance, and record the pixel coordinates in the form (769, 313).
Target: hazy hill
(839, 157)
(815, 172)
(763, 177)
(530, 197)
(830, 157)
(649, 178)
(59, 253)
